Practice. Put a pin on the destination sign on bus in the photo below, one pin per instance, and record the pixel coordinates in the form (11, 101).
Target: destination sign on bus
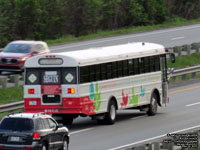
(50, 61)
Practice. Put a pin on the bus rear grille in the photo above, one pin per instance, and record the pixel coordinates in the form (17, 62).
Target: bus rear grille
(52, 99)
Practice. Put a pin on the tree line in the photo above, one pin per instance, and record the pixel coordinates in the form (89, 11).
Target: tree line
(51, 19)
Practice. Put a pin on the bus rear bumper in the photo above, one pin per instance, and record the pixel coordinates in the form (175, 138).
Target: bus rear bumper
(68, 106)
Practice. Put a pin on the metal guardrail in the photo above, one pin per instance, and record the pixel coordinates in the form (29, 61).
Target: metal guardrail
(11, 106)
(187, 70)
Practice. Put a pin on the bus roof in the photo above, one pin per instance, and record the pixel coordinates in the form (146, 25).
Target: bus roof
(103, 54)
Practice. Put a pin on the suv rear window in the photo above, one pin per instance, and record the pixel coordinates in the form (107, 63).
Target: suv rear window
(16, 124)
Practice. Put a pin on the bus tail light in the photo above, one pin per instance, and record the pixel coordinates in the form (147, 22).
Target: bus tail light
(31, 91)
(71, 90)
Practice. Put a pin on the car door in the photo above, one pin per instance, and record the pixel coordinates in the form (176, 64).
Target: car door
(50, 134)
(57, 135)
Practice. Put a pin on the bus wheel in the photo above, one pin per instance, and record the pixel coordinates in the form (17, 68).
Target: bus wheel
(153, 105)
(111, 114)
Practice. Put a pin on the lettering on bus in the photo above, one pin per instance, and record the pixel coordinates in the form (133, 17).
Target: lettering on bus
(50, 77)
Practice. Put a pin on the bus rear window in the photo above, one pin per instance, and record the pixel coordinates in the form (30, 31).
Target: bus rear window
(51, 76)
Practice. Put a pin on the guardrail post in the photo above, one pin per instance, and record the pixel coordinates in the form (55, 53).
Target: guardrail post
(196, 46)
(3, 82)
(187, 48)
(198, 132)
(15, 79)
(154, 146)
(23, 76)
(168, 146)
(184, 77)
(178, 49)
(194, 75)
(142, 147)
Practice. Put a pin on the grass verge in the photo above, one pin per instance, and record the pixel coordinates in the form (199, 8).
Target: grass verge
(134, 29)
(11, 94)
(185, 61)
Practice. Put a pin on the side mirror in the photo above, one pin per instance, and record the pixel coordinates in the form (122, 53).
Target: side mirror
(172, 56)
(60, 125)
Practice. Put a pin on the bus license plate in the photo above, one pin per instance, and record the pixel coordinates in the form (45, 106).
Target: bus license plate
(14, 139)
(32, 103)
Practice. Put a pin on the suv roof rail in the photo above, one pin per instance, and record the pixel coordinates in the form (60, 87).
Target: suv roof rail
(38, 114)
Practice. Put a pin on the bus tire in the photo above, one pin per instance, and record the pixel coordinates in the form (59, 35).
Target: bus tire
(153, 105)
(111, 115)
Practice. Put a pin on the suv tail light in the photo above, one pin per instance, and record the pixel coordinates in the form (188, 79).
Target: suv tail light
(36, 136)
(1, 146)
(28, 148)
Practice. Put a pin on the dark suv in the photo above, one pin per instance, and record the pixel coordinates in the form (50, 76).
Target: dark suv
(27, 131)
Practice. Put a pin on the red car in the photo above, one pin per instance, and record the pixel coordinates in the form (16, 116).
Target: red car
(14, 55)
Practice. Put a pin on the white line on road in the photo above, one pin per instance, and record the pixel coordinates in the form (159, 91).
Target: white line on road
(153, 138)
(138, 117)
(75, 132)
(177, 38)
(125, 37)
(193, 104)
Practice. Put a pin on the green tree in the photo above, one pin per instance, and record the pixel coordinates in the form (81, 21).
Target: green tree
(82, 16)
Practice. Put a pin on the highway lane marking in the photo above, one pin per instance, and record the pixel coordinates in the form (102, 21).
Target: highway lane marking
(127, 37)
(177, 38)
(79, 131)
(193, 104)
(154, 138)
(183, 90)
(138, 117)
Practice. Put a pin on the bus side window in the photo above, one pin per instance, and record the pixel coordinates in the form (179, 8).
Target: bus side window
(136, 66)
(125, 68)
(152, 63)
(131, 67)
(157, 63)
(146, 65)
(115, 69)
(84, 74)
(109, 71)
(92, 73)
(103, 71)
(141, 64)
(120, 69)
(98, 72)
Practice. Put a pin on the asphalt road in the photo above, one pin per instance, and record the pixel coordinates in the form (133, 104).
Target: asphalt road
(168, 37)
(133, 126)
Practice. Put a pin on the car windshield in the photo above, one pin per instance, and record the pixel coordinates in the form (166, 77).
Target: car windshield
(16, 124)
(17, 48)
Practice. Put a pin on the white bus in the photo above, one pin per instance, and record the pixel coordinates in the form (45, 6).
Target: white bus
(97, 82)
